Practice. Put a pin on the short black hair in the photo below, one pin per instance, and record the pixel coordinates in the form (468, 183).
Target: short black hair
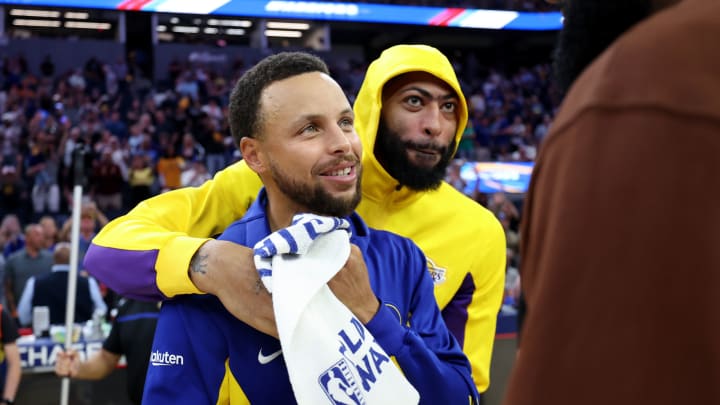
(244, 107)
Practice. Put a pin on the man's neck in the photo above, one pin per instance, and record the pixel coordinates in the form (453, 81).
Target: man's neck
(31, 251)
(279, 215)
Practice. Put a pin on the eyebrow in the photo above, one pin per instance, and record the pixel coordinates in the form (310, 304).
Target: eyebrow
(427, 94)
(312, 117)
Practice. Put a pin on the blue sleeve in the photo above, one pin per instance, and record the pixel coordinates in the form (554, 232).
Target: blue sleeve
(427, 353)
(188, 351)
(24, 308)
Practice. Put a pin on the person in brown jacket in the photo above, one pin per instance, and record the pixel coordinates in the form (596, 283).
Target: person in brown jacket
(621, 228)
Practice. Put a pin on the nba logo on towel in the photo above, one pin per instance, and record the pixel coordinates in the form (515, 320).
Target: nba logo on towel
(339, 385)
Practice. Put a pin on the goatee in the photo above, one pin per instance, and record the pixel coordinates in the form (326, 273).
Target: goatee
(392, 154)
(313, 196)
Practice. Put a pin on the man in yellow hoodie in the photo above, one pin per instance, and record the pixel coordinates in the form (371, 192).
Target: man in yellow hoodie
(410, 114)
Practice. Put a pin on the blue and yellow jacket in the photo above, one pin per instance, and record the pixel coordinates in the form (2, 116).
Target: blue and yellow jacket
(203, 355)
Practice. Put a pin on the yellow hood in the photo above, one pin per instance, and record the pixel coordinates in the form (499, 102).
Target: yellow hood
(392, 62)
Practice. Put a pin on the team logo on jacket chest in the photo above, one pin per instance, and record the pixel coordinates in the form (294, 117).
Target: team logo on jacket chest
(437, 273)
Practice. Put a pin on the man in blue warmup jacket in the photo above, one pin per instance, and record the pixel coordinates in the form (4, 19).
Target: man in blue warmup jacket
(294, 127)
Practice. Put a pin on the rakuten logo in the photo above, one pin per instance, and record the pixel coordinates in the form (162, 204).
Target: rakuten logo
(166, 359)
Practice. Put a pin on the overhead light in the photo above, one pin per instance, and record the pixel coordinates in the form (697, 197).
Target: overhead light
(36, 23)
(186, 29)
(77, 16)
(35, 13)
(283, 34)
(174, 20)
(235, 31)
(287, 25)
(161, 28)
(210, 30)
(230, 23)
(86, 25)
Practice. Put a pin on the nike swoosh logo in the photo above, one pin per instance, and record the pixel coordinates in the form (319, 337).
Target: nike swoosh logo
(262, 359)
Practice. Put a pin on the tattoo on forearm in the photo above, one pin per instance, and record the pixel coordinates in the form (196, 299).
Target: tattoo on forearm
(198, 263)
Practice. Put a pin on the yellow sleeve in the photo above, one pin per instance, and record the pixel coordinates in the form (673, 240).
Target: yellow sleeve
(146, 253)
(488, 273)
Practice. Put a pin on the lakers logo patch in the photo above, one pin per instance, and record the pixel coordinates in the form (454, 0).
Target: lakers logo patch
(437, 273)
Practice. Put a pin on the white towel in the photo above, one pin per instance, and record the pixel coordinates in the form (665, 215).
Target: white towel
(330, 356)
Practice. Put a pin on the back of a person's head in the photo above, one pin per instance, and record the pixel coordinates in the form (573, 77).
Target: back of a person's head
(61, 254)
(245, 97)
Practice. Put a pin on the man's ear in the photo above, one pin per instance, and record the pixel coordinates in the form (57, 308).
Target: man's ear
(250, 150)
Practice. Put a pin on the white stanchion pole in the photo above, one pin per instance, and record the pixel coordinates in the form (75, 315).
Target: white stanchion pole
(72, 274)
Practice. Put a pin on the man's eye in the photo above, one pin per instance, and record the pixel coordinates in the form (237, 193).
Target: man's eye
(449, 107)
(414, 101)
(346, 122)
(310, 128)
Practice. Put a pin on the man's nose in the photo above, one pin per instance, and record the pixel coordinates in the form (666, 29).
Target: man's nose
(340, 141)
(432, 120)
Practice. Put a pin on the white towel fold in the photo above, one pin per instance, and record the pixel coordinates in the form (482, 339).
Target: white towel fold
(330, 356)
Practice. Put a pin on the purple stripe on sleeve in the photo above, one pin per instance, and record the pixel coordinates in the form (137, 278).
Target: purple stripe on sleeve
(130, 273)
(455, 312)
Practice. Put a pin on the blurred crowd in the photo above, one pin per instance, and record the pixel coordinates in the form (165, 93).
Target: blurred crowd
(133, 138)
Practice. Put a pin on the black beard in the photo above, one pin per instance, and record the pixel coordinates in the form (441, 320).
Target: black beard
(590, 27)
(391, 152)
(314, 197)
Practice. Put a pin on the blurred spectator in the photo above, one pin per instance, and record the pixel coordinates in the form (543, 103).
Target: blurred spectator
(213, 142)
(466, 147)
(11, 236)
(12, 190)
(190, 149)
(106, 184)
(32, 260)
(120, 155)
(116, 125)
(509, 216)
(501, 204)
(10, 364)
(91, 220)
(50, 232)
(512, 237)
(453, 175)
(542, 128)
(512, 285)
(169, 167)
(42, 168)
(194, 174)
(50, 290)
(141, 179)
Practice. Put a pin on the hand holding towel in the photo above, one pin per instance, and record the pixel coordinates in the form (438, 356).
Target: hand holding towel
(330, 356)
(295, 239)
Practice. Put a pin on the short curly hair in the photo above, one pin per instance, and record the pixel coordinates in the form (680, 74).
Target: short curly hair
(244, 109)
